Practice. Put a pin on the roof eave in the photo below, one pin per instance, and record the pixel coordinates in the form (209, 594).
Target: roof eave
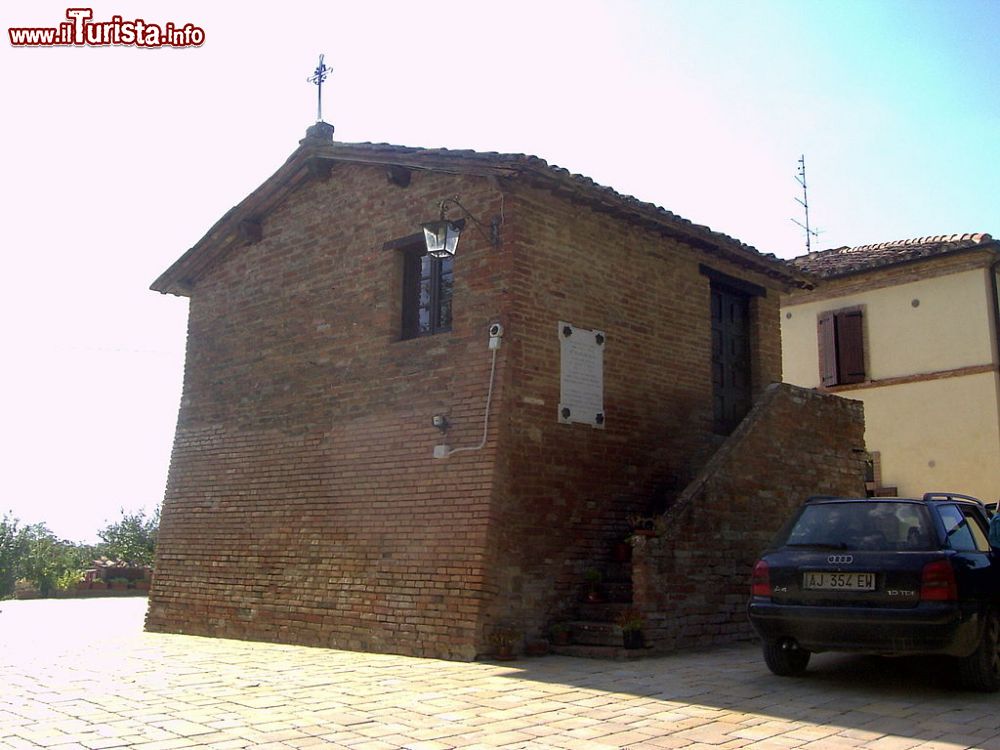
(992, 246)
(232, 229)
(317, 158)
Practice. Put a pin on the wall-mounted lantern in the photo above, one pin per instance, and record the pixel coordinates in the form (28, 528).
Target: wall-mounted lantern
(442, 235)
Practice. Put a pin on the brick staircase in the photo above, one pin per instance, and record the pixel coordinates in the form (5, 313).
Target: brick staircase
(593, 631)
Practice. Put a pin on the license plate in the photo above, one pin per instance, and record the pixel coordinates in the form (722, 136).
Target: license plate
(825, 581)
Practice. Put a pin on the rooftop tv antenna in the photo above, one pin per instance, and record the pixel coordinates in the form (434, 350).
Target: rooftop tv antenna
(318, 77)
(800, 177)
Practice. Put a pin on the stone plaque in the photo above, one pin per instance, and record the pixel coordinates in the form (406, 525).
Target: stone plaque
(581, 375)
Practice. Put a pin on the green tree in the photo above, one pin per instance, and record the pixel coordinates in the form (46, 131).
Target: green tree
(132, 538)
(45, 558)
(12, 549)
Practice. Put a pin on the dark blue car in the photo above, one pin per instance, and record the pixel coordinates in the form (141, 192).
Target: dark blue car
(888, 576)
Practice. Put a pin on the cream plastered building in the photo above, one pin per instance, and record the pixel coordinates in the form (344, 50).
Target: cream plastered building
(911, 329)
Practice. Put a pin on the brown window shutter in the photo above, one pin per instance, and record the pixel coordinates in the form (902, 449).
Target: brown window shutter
(827, 330)
(850, 346)
(411, 292)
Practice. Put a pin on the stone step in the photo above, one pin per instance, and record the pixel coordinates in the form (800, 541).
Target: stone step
(595, 633)
(601, 611)
(616, 653)
(618, 591)
(612, 591)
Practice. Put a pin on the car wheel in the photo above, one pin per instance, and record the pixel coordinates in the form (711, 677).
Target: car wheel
(981, 669)
(785, 661)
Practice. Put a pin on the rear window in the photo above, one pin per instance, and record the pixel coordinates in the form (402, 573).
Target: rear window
(877, 525)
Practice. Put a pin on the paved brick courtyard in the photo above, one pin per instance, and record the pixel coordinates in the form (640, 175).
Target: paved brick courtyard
(81, 674)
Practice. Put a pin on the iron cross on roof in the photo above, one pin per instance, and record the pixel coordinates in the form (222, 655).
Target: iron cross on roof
(318, 76)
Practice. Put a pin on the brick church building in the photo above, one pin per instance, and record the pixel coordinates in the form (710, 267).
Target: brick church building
(383, 449)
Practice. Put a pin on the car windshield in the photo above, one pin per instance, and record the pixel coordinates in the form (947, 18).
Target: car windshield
(873, 525)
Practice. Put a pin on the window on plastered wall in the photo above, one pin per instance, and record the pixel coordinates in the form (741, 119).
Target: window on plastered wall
(427, 293)
(841, 346)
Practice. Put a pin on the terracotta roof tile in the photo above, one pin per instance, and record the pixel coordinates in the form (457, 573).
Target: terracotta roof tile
(842, 261)
(318, 147)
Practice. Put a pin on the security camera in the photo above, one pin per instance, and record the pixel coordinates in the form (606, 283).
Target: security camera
(496, 329)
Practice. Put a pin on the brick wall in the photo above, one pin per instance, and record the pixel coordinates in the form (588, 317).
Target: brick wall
(303, 503)
(692, 580)
(568, 489)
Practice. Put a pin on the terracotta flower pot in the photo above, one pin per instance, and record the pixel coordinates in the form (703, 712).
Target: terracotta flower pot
(504, 653)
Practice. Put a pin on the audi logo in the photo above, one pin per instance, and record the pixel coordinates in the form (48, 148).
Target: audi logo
(840, 559)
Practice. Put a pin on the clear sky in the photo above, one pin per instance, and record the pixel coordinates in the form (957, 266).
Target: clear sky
(115, 160)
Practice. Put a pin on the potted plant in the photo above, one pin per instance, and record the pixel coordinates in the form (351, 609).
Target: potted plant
(504, 639)
(631, 622)
(593, 578)
(119, 584)
(560, 633)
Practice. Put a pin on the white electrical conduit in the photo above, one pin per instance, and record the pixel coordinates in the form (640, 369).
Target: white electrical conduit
(486, 419)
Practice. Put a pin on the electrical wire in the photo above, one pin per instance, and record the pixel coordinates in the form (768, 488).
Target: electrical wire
(486, 418)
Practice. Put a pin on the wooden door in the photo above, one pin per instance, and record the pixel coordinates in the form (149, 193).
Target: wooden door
(730, 358)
